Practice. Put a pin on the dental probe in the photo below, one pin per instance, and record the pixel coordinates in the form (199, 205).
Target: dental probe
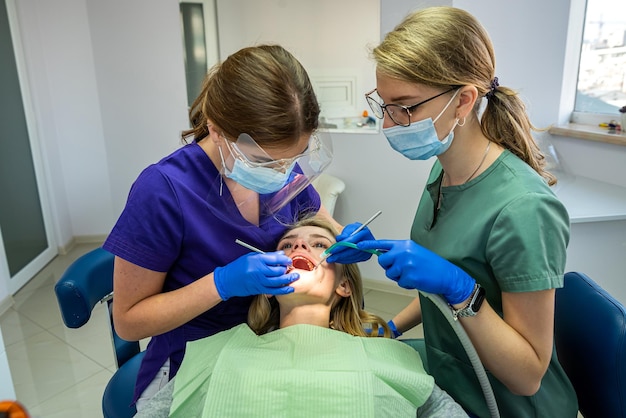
(326, 253)
(248, 246)
(359, 229)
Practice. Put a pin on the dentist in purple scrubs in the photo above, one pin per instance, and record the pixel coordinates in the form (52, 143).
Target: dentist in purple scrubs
(244, 173)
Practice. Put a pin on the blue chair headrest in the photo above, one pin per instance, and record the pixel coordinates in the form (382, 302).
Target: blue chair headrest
(85, 282)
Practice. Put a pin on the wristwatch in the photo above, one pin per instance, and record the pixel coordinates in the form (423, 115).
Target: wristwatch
(472, 307)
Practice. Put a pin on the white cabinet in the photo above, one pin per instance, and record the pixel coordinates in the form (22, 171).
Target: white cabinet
(598, 231)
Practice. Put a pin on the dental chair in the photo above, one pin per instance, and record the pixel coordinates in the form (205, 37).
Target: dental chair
(329, 188)
(590, 338)
(87, 282)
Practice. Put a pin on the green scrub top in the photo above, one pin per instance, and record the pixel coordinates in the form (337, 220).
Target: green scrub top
(507, 230)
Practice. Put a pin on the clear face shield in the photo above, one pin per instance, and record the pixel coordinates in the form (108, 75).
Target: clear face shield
(278, 181)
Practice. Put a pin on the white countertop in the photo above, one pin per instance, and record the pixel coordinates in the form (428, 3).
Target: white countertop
(351, 125)
(589, 200)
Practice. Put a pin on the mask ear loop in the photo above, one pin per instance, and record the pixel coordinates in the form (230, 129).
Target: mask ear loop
(456, 122)
(446, 106)
(223, 170)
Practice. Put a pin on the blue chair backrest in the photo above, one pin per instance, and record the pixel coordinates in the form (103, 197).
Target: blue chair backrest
(86, 282)
(590, 337)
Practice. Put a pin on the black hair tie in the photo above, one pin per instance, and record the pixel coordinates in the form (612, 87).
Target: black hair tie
(493, 87)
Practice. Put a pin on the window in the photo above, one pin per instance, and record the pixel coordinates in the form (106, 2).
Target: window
(199, 26)
(601, 86)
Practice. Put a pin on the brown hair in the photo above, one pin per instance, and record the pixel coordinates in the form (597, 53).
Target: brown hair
(346, 314)
(263, 91)
(446, 46)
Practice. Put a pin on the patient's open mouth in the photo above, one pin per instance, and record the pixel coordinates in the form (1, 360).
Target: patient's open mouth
(302, 263)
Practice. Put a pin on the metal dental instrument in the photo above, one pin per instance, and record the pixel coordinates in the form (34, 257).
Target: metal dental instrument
(359, 229)
(326, 253)
(248, 246)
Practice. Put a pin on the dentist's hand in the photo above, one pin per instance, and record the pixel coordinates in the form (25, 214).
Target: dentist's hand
(254, 274)
(415, 267)
(345, 255)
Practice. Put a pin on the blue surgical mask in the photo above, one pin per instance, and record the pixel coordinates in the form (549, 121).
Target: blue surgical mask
(419, 140)
(263, 180)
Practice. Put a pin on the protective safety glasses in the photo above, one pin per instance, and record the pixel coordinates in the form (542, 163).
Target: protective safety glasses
(250, 153)
(305, 167)
(399, 114)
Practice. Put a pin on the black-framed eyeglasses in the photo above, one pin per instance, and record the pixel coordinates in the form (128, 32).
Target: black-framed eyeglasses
(399, 114)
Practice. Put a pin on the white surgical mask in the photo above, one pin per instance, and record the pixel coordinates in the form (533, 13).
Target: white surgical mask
(419, 140)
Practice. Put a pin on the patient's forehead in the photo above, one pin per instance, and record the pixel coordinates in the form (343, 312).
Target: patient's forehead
(309, 232)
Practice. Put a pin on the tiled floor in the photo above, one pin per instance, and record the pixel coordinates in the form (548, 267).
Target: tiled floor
(62, 372)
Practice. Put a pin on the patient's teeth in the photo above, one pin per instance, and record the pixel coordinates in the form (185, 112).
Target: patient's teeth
(302, 263)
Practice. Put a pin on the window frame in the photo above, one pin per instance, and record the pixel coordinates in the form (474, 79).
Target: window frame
(567, 111)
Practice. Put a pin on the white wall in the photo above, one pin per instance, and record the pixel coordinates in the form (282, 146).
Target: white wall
(56, 46)
(310, 31)
(109, 95)
(138, 56)
(109, 91)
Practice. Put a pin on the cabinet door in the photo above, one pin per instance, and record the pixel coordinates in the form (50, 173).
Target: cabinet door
(24, 227)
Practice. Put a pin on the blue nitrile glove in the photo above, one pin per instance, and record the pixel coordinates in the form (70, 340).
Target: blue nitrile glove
(394, 330)
(345, 255)
(255, 274)
(381, 331)
(415, 267)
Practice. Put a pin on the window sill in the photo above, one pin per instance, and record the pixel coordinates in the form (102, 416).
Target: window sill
(589, 132)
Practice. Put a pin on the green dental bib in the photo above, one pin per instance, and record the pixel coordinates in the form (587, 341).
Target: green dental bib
(299, 371)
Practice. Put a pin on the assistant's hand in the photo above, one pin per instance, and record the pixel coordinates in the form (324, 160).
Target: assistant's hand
(415, 267)
(345, 255)
(254, 274)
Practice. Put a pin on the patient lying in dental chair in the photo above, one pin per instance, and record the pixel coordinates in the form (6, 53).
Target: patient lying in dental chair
(305, 353)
